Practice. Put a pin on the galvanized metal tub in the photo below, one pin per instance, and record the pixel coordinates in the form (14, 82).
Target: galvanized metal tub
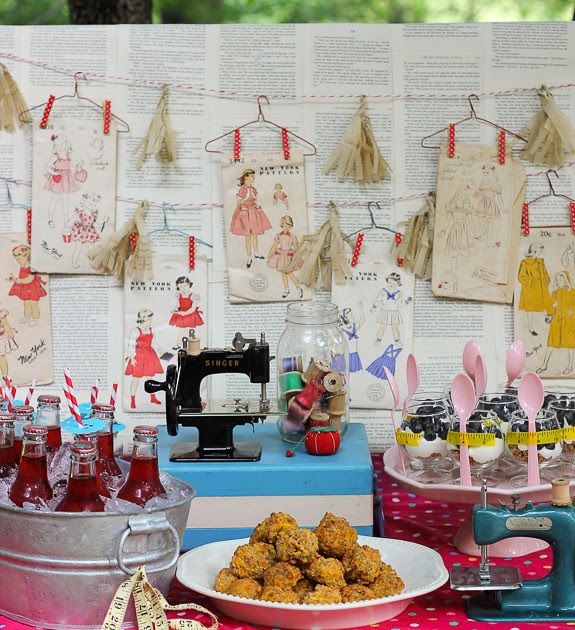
(61, 570)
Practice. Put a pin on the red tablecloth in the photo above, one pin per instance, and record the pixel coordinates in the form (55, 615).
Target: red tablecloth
(414, 518)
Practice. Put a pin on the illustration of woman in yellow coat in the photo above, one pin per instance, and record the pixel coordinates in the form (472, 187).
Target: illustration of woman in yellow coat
(534, 280)
(561, 317)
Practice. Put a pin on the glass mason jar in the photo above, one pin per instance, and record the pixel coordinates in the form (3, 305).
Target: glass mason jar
(313, 369)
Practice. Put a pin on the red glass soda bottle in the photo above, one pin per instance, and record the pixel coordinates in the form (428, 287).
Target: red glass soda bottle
(143, 480)
(8, 454)
(92, 440)
(109, 466)
(82, 493)
(31, 483)
(48, 415)
(23, 416)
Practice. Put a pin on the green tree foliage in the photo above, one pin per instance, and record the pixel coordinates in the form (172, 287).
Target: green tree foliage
(281, 11)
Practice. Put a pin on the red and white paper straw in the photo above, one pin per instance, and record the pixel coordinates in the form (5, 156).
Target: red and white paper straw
(95, 391)
(9, 393)
(71, 398)
(30, 392)
(113, 394)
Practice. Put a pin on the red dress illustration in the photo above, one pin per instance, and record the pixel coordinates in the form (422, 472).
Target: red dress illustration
(189, 320)
(248, 218)
(146, 359)
(62, 181)
(84, 229)
(30, 291)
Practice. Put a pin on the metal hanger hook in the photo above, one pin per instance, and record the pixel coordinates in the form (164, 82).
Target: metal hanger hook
(470, 100)
(551, 170)
(261, 114)
(372, 218)
(77, 77)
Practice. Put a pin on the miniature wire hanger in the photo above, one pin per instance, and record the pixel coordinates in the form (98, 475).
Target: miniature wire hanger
(551, 192)
(166, 228)
(373, 225)
(76, 94)
(261, 119)
(472, 116)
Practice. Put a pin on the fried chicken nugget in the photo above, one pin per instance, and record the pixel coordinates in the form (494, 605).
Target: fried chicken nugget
(278, 594)
(251, 561)
(282, 575)
(356, 593)
(297, 546)
(245, 587)
(335, 535)
(303, 587)
(269, 529)
(361, 564)
(328, 571)
(387, 583)
(323, 595)
(224, 579)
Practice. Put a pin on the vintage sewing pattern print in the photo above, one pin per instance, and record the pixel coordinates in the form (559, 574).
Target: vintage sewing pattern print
(477, 224)
(376, 315)
(158, 314)
(73, 193)
(265, 217)
(544, 312)
(25, 322)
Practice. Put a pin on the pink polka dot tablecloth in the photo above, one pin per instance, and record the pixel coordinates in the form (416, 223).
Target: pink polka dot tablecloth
(417, 519)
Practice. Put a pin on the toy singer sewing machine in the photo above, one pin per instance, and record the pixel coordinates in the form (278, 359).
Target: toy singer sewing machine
(215, 425)
(505, 596)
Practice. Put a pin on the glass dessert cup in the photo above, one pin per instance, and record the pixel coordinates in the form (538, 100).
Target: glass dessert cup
(421, 437)
(549, 444)
(564, 408)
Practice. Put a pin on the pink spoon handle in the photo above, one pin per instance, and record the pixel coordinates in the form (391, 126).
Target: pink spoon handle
(533, 478)
(464, 464)
(395, 395)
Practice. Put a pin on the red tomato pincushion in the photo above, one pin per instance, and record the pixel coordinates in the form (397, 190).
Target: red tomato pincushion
(322, 441)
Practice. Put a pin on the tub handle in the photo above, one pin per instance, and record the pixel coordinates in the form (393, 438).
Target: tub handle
(148, 524)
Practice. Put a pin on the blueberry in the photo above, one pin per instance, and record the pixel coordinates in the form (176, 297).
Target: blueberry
(429, 436)
(539, 447)
(498, 434)
(442, 432)
(549, 447)
(474, 427)
(416, 426)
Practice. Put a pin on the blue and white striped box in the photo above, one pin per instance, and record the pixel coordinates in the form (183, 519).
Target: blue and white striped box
(232, 498)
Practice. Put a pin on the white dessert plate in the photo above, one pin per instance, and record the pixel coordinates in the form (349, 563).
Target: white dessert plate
(421, 569)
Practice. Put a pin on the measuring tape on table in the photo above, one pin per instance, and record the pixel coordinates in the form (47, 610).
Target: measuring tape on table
(150, 607)
(470, 439)
(529, 438)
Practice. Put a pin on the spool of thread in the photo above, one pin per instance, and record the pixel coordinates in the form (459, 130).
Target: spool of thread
(318, 419)
(194, 347)
(336, 404)
(292, 364)
(297, 414)
(315, 370)
(560, 492)
(291, 381)
(333, 382)
(310, 393)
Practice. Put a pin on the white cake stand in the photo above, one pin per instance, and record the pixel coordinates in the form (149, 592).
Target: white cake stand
(463, 539)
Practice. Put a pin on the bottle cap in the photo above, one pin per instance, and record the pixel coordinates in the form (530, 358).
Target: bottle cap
(47, 399)
(102, 408)
(34, 429)
(23, 410)
(83, 448)
(6, 417)
(144, 429)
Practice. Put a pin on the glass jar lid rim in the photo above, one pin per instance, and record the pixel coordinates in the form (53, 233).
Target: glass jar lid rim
(49, 399)
(85, 448)
(306, 312)
(103, 407)
(23, 410)
(36, 429)
(145, 429)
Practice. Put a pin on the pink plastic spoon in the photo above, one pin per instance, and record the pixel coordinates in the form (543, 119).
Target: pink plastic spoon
(412, 373)
(463, 399)
(395, 395)
(480, 377)
(470, 353)
(531, 395)
(515, 360)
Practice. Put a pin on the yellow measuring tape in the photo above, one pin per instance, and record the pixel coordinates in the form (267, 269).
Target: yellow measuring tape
(406, 438)
(470, 439)
(569, 433)
(150, 607)
(552, 436)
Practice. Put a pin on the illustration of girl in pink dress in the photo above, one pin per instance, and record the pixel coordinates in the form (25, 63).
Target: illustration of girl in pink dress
(84, 229)
(281, 254)
(142, 358)
(61, 182)
(280, 196)
(185, 315)
(28, 286)
(249, 220)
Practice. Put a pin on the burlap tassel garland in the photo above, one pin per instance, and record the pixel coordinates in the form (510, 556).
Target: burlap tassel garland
(357, 156)
(550, 134)
(416, 247)
(322, 254)
(115, 254)
(13, 107)
(160, 140)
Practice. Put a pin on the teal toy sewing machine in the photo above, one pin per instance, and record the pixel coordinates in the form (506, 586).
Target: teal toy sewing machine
(506, 597)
